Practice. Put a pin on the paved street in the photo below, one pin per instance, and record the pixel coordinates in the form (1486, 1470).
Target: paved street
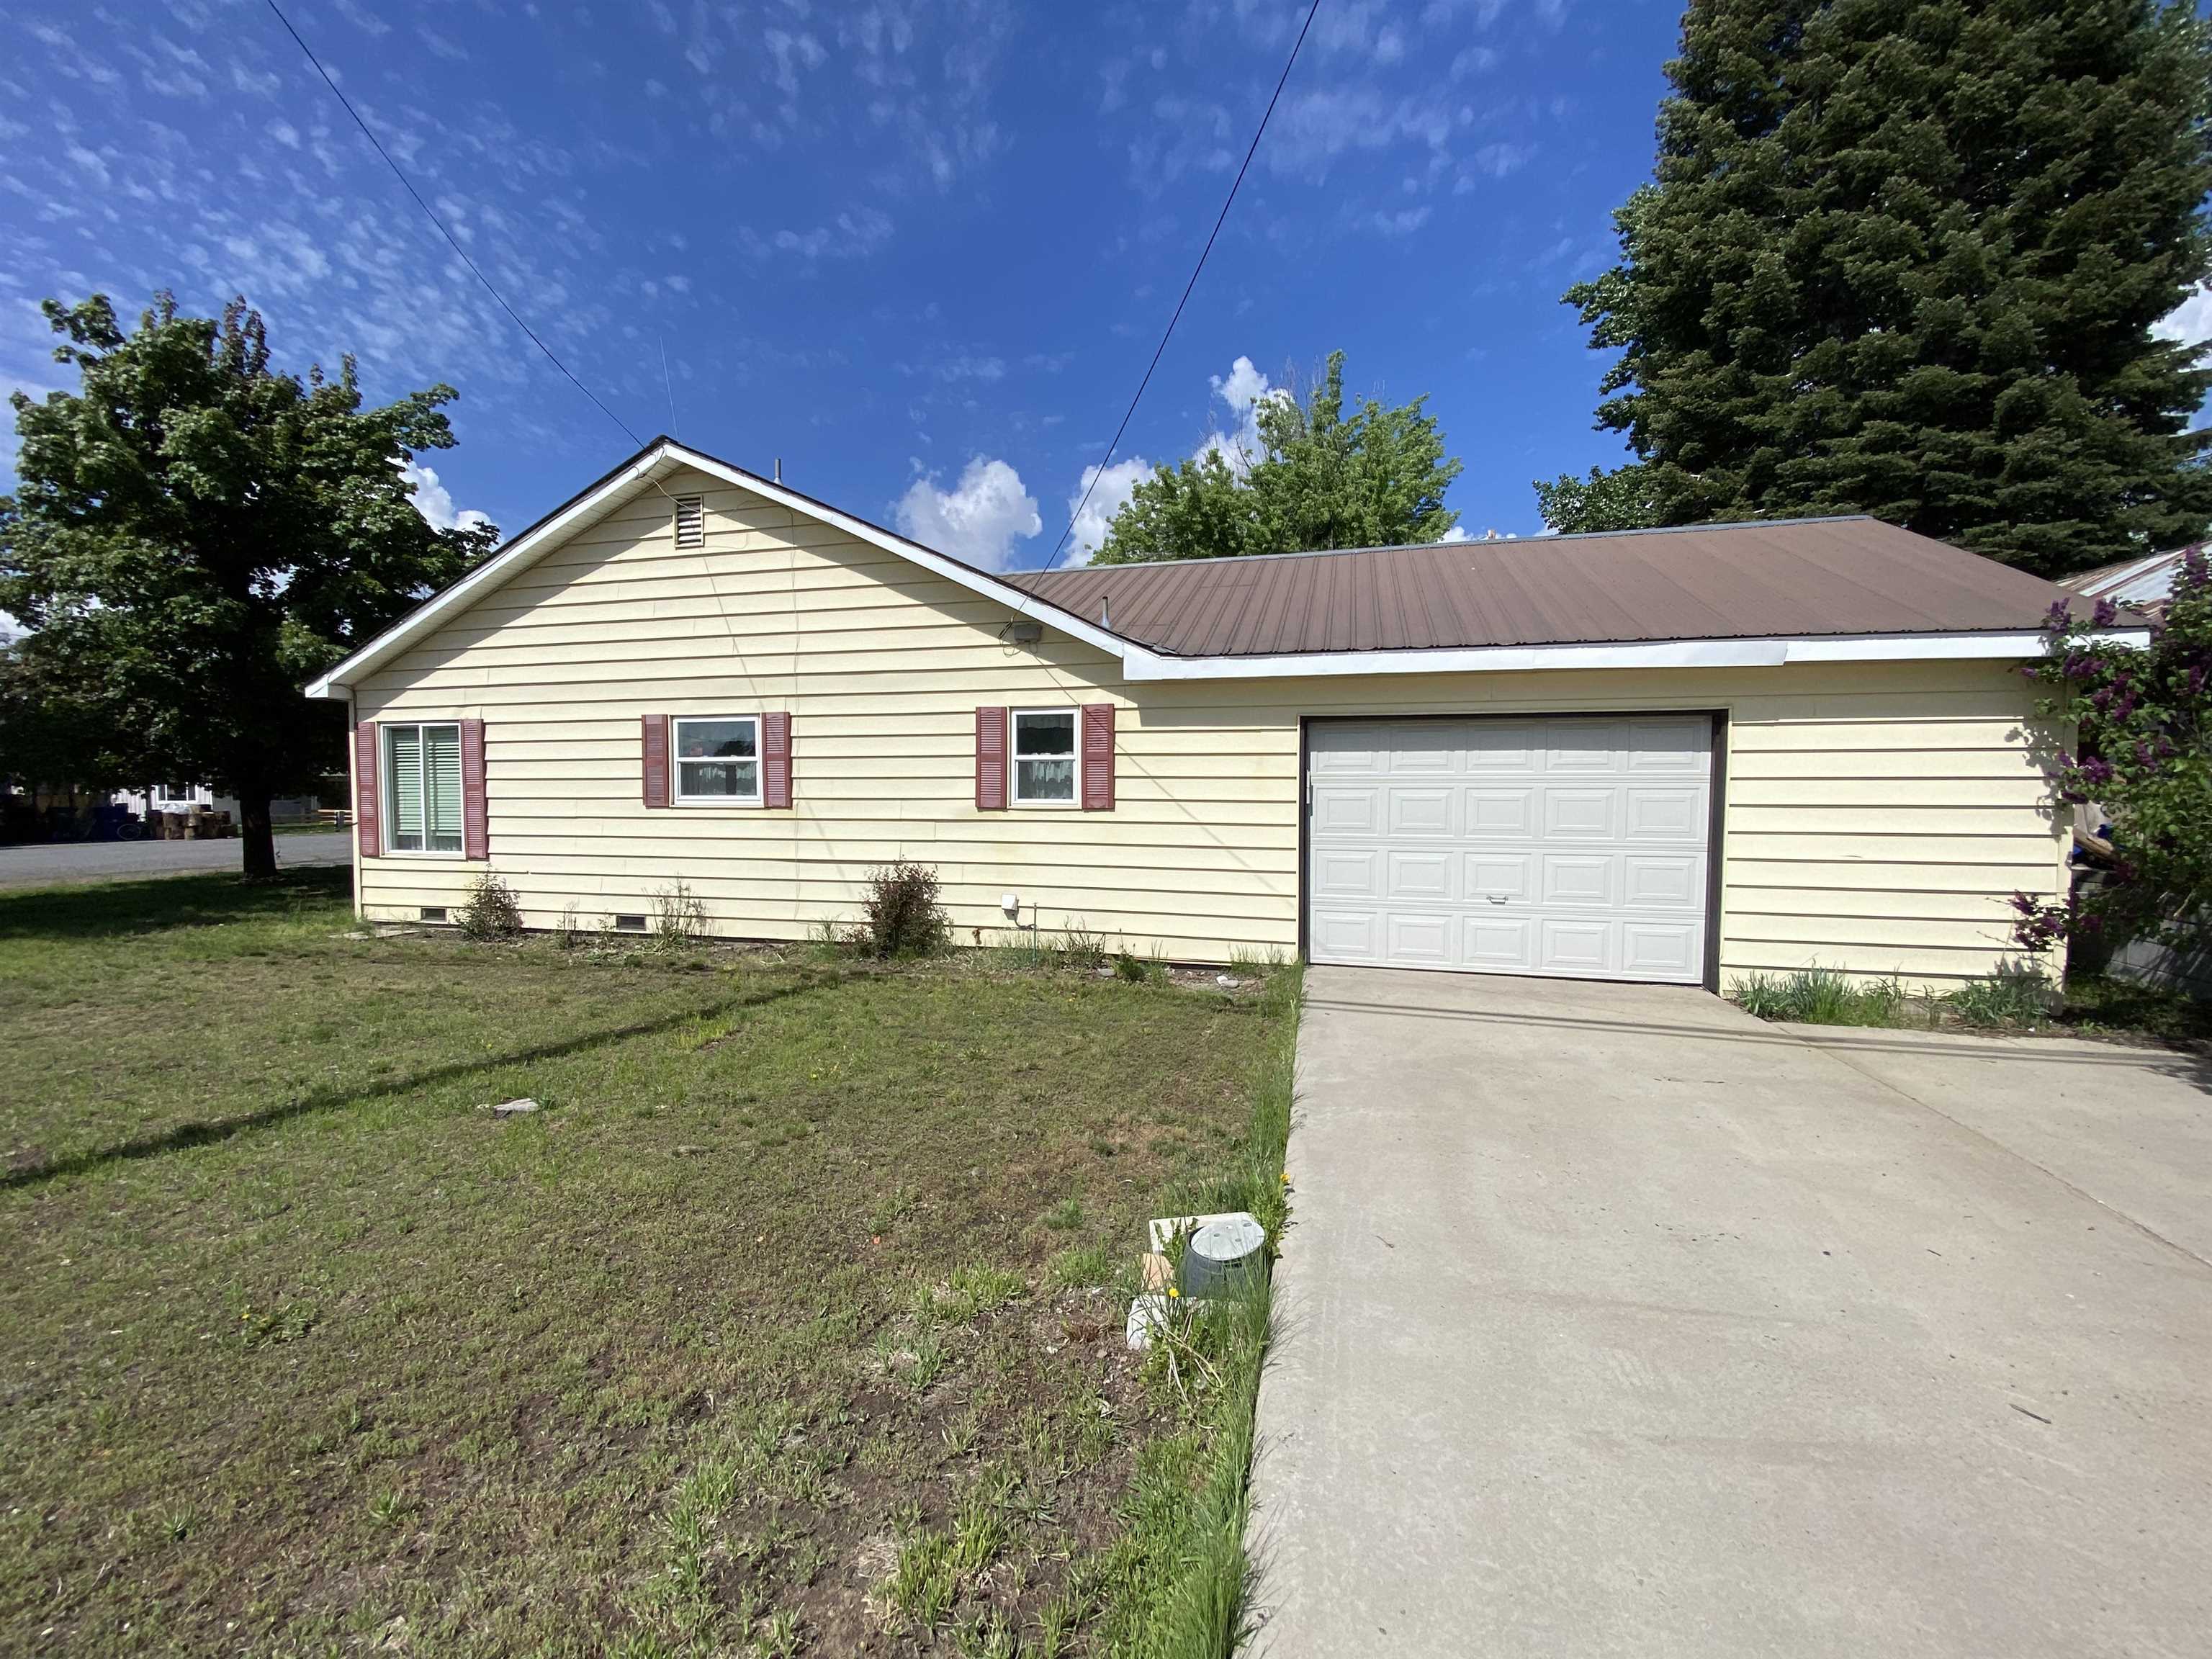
(53, 865)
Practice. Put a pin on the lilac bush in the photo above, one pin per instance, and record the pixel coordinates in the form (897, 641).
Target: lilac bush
(2143, 752)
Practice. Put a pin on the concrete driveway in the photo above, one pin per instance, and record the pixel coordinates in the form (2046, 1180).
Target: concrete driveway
(1617, 1322)
(49, 865)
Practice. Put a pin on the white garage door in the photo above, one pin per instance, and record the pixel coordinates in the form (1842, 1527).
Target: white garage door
(1572, 846)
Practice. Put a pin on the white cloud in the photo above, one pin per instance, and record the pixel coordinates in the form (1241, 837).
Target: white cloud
(851, 234)
(1241, 391)
(1244, 389)
(2188, 322)
(435, 502)
(1458, 532)
(1404, 222)
(979, 520)
(1112, 494)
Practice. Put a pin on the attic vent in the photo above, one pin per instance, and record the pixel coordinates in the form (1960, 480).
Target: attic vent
(690, 521)
(629, 924)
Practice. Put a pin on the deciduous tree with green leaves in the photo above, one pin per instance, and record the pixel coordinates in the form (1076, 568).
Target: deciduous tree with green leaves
(1904, 257)
(1321, 479)
(195, 536)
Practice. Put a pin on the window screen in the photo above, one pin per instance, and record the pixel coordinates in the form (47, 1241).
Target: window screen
(422, 782)
(1044, 755)
(718, 760)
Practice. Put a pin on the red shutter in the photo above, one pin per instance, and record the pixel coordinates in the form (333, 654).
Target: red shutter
(475, 823)
(1097, 756)
(990, 760)
(776, 760)
(368, 773)
(656, 760)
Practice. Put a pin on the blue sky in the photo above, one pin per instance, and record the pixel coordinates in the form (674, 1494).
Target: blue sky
(919, 249)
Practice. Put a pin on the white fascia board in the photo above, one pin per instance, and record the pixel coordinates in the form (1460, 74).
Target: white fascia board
(521, 552)
(974, 580)
(478, 582)
(1653, 654)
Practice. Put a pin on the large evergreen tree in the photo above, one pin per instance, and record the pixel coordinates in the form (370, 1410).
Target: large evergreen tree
(196, 535)
(1322, 478)
(1903, 257)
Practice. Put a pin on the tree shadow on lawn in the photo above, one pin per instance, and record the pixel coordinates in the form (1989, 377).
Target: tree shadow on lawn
(183, 1136)
(112, 909)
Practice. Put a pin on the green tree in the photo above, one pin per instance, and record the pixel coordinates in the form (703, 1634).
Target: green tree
(1618, 499)
(1376, 478)
(2143, 752)
(1903, 257)
(195, 536)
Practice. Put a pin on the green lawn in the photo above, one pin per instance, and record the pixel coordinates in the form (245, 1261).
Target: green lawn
(779, 1329)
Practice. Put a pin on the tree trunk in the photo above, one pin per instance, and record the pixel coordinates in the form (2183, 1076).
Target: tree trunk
(256, 839)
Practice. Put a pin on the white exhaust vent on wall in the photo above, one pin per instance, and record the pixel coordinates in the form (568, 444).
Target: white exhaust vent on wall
(690, 521)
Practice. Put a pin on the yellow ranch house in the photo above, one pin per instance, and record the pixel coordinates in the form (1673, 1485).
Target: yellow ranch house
(1674, 754)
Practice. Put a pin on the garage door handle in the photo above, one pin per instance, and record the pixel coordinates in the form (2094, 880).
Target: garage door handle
(1495, 898)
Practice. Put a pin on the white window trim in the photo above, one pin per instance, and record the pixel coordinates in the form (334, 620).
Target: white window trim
(387, 806)
(675, 795)
(1014, 796)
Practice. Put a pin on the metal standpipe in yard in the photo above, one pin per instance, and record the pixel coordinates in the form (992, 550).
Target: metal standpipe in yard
(1611, 1320)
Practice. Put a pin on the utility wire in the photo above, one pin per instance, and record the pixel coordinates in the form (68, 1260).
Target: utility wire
(1219, 219)
(431, 215)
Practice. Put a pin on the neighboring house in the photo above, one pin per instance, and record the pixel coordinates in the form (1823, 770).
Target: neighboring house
(200, 797)
(2147, 583)
(1672, 754)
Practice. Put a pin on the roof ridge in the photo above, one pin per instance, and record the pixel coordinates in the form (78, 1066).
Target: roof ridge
(1468, 541)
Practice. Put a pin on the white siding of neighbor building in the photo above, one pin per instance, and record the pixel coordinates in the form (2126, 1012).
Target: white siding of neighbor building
(1877, 817)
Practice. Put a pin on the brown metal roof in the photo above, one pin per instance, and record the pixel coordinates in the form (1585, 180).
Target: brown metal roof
(1763, 580)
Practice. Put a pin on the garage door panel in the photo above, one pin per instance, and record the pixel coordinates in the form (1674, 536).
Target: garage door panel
(1567, 946)
(1585, 746)
(1500, 814)
(1544, 845)
(1653, 881)
(1416, 749)
(1493, 877)
(1347, 935)
(1421, 877)
(1420, 812)
(1348, 873)
(1664, 814)
(1580, 879)
(1502, 747)
(1347, 809)
(1418, 938)
(1661, 949)
(1500, 944)
(1580, 814)
(1669, 746)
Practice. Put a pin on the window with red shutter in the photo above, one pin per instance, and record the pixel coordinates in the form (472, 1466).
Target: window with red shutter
(990, 760)
(776, 760)
(1097, 756)
(655, 743)
(476, 819)
(368, 772)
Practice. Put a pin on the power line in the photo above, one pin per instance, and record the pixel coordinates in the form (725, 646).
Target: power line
(430, 214)
(1235, 185)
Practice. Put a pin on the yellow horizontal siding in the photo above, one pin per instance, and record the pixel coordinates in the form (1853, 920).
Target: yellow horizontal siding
(1878, 815)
